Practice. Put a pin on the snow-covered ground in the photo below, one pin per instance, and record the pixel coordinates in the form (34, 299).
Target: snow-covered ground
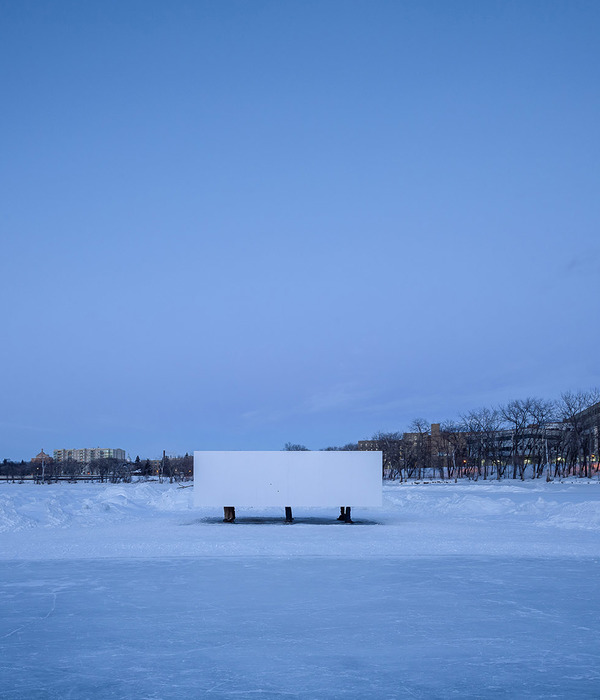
(486, 590)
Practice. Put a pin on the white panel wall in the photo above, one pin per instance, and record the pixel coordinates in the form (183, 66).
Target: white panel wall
(287, 478)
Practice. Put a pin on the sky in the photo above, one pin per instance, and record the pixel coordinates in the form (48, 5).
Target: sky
(232, 225)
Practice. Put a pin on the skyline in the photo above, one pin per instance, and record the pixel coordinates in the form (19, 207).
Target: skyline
(236, 225)
(462, 420)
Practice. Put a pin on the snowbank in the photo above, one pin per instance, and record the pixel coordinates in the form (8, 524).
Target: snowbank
(149, 519)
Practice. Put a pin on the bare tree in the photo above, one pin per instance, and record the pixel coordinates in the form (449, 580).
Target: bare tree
(390, 445)
(543, 414)
(420, 444)
(101, 467)
(577, 436)
(517, 416)
(10, 469)
(72, 469)
(454, 445)
(483, 426)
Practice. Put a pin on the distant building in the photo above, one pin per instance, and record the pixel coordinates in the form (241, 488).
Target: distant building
(391, 453)
(590, 419)
(87, 455)
(376, 445)
(42, 457)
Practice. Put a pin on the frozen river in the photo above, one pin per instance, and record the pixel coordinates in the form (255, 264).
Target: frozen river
(346, 612)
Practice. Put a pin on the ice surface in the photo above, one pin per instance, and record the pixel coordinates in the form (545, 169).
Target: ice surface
(466, 590)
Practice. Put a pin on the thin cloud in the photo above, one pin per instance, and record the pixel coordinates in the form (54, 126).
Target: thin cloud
(336, 398)
(584, 262)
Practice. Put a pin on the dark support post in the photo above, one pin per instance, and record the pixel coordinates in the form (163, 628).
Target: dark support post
(288, 514)
(228, 514)
(342, 515)
(348, 519)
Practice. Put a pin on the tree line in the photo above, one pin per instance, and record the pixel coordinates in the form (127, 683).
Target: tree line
(523, 438)
(105, 470)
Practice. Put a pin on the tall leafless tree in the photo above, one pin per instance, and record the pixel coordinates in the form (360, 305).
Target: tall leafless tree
(543, 414)
(482, 426)
(391, 453)
(577, 436)
(517, 416)
(420, 445)
(454, 446)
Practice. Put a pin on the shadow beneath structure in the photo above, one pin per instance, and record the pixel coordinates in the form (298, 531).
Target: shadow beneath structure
(269, 520)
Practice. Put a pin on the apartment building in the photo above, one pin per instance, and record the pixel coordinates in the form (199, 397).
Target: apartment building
(88, 454)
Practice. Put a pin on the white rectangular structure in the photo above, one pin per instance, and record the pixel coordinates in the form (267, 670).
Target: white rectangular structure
(287, 478)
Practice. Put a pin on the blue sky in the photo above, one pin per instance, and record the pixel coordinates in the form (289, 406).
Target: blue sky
(229, 225)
